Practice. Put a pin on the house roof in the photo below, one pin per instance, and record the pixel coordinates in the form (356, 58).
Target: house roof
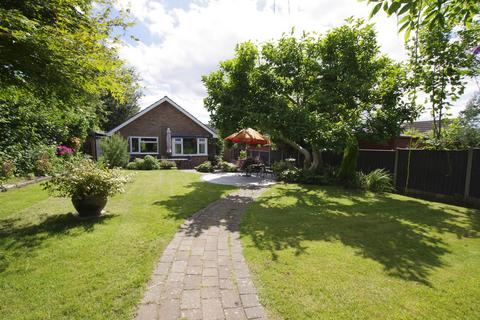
(425, 125)
(156, 104)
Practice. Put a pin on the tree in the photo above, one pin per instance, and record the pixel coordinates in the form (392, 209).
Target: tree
(429, 14)
(115, 111)
(58, 58)
(313, 92)
(441, 60)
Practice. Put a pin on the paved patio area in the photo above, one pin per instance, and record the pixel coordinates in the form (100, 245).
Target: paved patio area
(202, 273)
(236, 179)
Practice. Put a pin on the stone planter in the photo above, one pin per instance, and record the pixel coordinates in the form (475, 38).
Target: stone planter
(89, 206)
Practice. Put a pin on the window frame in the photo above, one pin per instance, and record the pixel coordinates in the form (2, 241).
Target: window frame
(200, 140)
(139, 144)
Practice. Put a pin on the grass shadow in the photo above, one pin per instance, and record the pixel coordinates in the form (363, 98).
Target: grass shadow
(21, 238)
(403, 235)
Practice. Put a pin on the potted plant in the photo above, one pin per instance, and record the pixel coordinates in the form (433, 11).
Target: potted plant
(88, 185)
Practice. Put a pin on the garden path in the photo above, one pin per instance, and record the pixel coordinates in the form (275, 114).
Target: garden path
(202, 273)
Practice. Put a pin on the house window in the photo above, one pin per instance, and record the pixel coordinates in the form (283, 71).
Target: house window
(144, 145)
(189, 146)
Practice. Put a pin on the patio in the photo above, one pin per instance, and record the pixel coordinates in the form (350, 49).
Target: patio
(238, 180)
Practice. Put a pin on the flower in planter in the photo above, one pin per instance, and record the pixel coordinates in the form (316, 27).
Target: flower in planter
(88, 185)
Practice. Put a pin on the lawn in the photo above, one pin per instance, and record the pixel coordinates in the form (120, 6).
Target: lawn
(54, 266)
(328, 253)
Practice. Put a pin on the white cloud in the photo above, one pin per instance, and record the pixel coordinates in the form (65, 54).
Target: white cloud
(186, 43)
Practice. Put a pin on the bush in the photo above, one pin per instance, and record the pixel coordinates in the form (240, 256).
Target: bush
(115, 151)
(378, 180)
(150, 163)
(347, 173)
(243, 154)
(289, 175)
(85, 179)
(132, 166)
(167, 164)
(228, 167)
(205, 167)
(7, 169)
(280, 166)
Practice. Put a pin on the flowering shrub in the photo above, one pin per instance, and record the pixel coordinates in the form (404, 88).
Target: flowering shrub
(86, 179)
(63, 150)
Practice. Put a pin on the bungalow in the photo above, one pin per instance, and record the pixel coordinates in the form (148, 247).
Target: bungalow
(166, 130)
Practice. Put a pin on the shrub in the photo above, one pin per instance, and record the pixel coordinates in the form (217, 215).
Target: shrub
(281, 166)
(7, 169)
(378, 180)
(43, 164)
(150, 163)
(205, 167)
(115, 151)
(243, 154)
(86, 179)
(167, 164)
(347, 173)
(289, 175)
(228, 167)
(132, 166)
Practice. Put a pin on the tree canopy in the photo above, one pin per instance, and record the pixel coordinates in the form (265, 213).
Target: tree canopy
(58, 58)
(314, 92)
(431, 14)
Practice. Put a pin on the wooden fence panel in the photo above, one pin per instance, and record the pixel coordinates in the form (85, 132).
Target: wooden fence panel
(441, 172)
(475, 175)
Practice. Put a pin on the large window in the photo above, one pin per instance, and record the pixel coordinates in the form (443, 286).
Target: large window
(189, 146)
(143, 145)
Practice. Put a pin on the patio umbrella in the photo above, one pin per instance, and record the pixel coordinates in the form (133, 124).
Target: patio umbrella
(248, 136)
(169, 140)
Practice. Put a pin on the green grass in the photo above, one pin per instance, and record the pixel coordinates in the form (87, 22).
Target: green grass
(54, 266)
(328, 253)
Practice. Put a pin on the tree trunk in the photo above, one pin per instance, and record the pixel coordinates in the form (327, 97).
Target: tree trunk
(317, 160)
(308, 158)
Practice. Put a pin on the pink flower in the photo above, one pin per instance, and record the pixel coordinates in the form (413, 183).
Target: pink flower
(64, 150)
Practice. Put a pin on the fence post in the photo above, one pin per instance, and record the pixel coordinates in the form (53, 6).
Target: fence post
(395, 169)
(468, 175)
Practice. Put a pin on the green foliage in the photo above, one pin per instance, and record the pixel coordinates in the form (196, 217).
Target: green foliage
(243, 154)
(430, 14)
(228, 167)
(115, 111)
(58, 60)
(115, 151)
(205, 167)
(280, 166)
(311, 92)
(85, 179)
(289, 175)
(167, 164)
(378, 180)
(441, 59)
(346, 172)
(150, 163)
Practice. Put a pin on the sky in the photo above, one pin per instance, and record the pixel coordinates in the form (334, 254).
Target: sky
(179, 41)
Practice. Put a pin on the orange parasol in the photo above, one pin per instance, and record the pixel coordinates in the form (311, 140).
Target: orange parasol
(248, 136)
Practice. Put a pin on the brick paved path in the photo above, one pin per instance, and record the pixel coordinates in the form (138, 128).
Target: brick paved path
(202, 273)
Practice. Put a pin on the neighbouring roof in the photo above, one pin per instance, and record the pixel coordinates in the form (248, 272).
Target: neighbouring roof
(422, 126)
(158, 103)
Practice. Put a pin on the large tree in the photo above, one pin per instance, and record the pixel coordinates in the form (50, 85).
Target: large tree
(312, 92)
(57, 59)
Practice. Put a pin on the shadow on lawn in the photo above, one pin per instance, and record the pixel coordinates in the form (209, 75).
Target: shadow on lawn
(180, 206)
(403, 235)
(20, 238)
